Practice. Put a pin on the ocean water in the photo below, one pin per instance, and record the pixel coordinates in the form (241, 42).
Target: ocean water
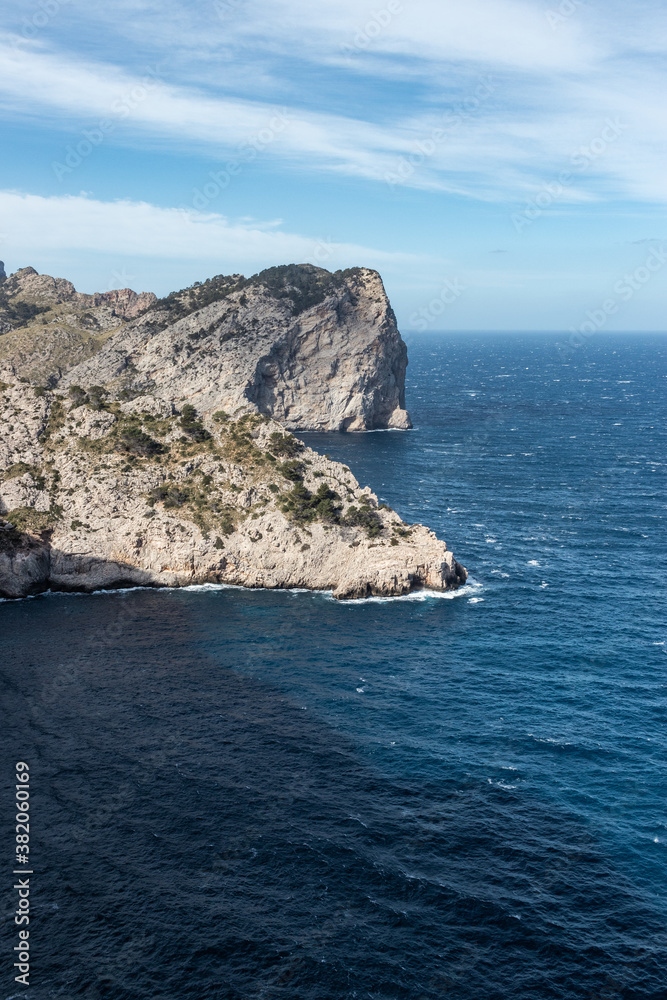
(251, 794)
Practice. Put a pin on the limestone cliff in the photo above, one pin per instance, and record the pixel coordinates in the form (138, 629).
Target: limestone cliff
(164, 457)
(47, 327)
(314, 350)
(98, 494)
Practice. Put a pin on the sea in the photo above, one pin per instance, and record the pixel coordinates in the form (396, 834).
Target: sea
(245, 794)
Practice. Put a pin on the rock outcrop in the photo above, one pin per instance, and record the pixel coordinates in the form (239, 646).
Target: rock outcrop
(97, 494)
(47, 327)
(165, 457)
(314, 350)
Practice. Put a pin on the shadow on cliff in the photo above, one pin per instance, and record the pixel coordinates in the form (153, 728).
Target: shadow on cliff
(29, 565)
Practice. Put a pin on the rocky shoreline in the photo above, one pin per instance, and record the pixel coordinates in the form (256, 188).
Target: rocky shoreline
(130, 471)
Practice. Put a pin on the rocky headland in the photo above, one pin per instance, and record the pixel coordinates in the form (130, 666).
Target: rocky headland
(149, 441)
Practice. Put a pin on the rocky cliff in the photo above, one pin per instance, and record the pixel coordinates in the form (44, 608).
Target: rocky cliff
(164, 457)
(314, 350)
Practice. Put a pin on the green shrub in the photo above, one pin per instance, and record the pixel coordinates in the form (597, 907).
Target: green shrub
(77, 395)
(192, 426)
(363, 517)
(96, 397)
(171, 496)
(305, 506)
(24, 519)
(304, 285)
(285, 445)
(56, 419)
(188, 300)
(21, 313)
(134, 441)
(227, 525)
(291, 470)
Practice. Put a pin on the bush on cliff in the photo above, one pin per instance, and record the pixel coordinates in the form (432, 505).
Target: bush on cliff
(193, 427)
(134, 441)
(305, 506)
(363, 517)
(303, 284)
(284, 444)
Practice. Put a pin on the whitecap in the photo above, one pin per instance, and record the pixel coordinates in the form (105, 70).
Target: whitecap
(549, 739)
(415, 595)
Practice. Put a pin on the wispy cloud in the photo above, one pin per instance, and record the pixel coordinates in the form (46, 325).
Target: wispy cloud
(380, 135)
(139, 229)
(498, 150)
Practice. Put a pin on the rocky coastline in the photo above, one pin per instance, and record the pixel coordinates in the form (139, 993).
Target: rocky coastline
(166, 456)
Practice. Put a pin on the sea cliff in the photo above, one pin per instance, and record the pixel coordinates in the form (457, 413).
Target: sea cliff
(165, 457)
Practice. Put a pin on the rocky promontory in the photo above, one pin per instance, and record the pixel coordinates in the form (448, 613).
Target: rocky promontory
(165, 456)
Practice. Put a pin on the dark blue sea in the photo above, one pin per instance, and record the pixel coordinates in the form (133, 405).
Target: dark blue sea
(253, 795)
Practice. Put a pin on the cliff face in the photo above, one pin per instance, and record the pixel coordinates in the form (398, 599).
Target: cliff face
(326, 356)
(314, 350)
(162, 458)
(47, 327)
(98, 494)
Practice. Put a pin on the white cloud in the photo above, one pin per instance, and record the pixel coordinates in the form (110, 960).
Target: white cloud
(497, 33)
(552, 88)
(127, 229)
(511, 34)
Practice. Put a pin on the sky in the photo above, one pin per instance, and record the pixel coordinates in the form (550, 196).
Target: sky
(500, 162)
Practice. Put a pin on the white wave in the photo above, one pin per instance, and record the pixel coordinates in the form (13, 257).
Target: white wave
(388, 430)
(550, 739)
(415, 595)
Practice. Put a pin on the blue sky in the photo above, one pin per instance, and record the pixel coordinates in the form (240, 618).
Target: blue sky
(500, 162)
